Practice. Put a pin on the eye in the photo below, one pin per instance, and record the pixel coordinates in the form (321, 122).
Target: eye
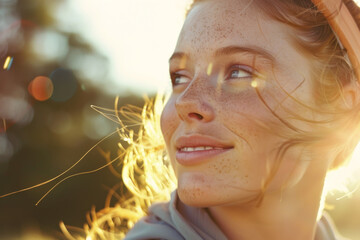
(240, 72)
(177, 79)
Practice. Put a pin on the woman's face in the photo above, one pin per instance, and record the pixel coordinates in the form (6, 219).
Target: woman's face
(220, 135)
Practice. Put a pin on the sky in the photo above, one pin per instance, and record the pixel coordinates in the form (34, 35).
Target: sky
(137, 36)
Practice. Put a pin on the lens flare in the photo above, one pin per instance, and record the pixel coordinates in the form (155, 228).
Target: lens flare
(8, 63)
(254, 83)
(41, 88)
(209, 69)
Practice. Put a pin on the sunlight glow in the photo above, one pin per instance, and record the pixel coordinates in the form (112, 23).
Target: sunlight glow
(349, 173)
(137, 36)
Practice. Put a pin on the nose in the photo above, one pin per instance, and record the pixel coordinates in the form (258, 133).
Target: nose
(193, 103)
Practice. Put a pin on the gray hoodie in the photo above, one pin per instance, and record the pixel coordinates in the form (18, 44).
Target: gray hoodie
(176, 221)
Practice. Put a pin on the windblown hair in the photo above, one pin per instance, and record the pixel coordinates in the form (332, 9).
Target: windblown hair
(146, 171)
(338, 132)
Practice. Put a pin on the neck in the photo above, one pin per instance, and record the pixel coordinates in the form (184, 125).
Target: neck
(289, 214)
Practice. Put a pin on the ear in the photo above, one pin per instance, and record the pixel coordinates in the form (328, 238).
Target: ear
(351, 94)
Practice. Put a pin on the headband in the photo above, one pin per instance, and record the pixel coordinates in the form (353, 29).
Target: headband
(344, 27)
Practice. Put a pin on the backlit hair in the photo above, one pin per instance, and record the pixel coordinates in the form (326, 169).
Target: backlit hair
(146, 170)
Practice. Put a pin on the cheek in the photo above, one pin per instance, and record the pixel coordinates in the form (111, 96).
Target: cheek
(169, 121)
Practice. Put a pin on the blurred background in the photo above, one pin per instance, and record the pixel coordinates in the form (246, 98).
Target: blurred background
(58, 58)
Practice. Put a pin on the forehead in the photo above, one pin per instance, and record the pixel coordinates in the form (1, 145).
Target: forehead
(218, 23)
(215, 24)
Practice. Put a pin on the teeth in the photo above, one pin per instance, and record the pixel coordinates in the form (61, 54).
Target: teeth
(192, 149)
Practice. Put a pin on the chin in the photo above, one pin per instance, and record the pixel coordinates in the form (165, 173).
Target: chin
(195, 197)
(205, 199)
(204, 196)
(197, 191)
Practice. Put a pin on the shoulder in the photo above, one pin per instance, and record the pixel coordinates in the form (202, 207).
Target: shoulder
(176, 221)
(156, 225)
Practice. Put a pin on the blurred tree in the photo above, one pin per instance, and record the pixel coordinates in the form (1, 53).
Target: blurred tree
(41, 139)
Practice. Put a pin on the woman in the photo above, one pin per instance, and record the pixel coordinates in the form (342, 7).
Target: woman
(264, 104)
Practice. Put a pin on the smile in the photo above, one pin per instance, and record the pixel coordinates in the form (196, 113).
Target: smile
(193, 149)
(196, 149)
(189, 156)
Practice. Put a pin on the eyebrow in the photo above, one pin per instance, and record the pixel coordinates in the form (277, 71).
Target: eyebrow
(240, 49)
(232, 50)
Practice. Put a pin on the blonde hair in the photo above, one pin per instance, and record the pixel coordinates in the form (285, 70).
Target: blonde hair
(146, 173)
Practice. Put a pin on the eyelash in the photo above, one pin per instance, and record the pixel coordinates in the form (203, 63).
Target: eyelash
(243, 68)
(173, 77)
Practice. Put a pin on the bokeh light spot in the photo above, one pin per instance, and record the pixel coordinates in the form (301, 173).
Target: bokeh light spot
(15, 110)
(8, 63)
(49, 45)
(41, 88)
(65, 84)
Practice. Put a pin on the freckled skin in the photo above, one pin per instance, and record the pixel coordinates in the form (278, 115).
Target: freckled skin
(230, 111)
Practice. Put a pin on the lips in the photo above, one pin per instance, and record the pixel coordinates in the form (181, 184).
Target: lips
(195, 149)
